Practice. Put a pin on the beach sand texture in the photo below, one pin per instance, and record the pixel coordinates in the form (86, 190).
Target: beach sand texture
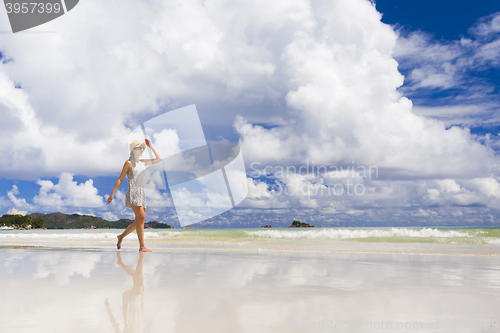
(204, 286)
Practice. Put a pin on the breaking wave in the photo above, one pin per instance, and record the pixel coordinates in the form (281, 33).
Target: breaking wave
(358, 233)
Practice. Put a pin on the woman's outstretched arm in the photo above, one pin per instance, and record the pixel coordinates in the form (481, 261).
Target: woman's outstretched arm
(126, 168)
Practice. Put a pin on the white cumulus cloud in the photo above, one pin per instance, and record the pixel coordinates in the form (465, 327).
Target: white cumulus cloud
(301, 82)
(68, 193)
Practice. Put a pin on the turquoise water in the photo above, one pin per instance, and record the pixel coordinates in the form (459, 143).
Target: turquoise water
(380, 235)
(485, 241)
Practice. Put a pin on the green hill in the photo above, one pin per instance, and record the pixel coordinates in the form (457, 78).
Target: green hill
(74, 221)
(21, 221)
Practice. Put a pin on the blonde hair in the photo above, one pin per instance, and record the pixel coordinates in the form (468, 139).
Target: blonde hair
(132, 158)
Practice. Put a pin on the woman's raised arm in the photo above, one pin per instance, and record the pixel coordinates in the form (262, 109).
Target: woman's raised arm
(157, 155)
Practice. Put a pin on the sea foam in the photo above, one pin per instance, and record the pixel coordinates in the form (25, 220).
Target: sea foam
(357, 233)
(82, 235)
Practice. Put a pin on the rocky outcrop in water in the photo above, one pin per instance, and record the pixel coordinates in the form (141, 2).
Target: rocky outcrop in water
(298, 224)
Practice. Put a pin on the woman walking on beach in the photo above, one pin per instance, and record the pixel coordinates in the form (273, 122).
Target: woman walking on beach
(136, 196)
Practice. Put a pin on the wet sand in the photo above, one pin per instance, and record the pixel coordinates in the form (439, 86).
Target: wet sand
(205, 290)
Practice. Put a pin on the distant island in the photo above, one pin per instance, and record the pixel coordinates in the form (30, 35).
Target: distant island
(77, 221)
(66, 221)
(298, 224)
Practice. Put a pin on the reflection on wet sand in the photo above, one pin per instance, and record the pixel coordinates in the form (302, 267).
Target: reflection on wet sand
(132, 300)
(63, 291)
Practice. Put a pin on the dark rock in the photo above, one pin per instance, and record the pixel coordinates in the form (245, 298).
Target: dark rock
(298, 224)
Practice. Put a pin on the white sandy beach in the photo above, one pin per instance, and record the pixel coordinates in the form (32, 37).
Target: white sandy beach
(218, 288)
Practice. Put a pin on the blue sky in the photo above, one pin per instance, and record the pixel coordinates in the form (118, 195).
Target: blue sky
(319, 85)
(445, 19)
(445, 22)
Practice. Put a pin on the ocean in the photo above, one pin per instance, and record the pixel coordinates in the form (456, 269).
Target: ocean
(418, 240)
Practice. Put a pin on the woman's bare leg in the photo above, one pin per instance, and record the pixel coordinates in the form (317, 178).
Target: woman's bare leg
(140, 217)
(127, 231)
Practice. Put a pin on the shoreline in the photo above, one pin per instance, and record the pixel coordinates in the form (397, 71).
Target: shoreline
(463, 250)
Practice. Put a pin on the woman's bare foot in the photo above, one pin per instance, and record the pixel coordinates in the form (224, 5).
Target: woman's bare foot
(119, 243)
(144, 249)
(118, 258)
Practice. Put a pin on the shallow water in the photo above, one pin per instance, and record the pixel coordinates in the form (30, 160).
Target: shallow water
(446, 241)
(99, 290)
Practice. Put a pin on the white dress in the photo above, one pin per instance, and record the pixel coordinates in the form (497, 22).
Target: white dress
(136, 195)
